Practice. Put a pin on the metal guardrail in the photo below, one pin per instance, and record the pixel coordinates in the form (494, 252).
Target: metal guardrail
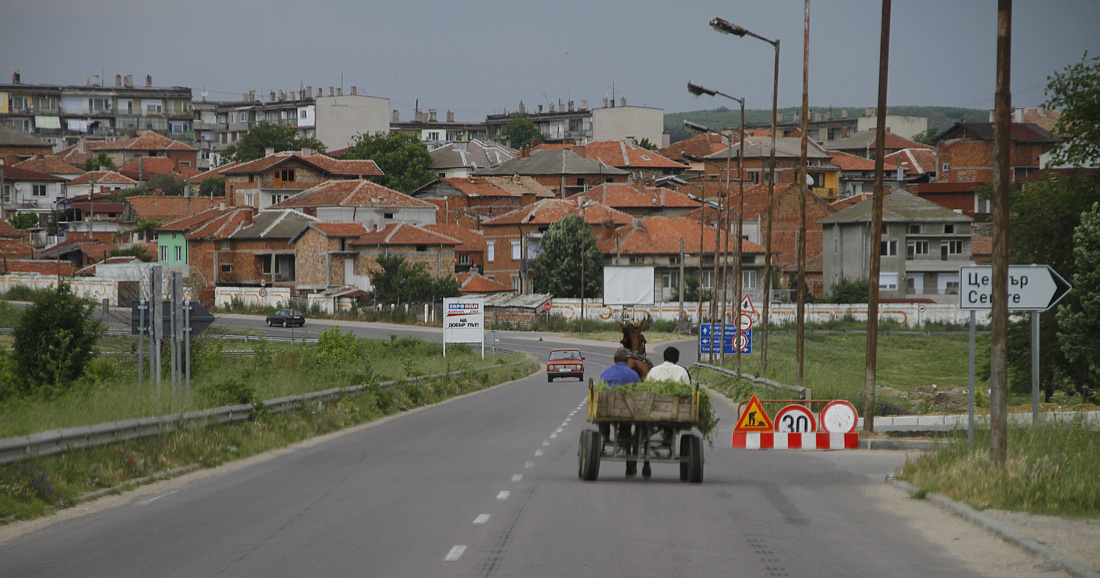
(803, 392)
(61, 441)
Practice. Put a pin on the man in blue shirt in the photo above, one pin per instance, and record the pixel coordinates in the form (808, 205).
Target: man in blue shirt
(614, 376)
(619, 373)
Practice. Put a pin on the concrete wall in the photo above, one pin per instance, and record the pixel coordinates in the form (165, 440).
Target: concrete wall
(340, 118)
(619, 122)
(903, 126)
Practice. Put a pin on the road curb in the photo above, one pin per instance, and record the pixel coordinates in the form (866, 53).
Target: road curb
(898, 444)
(1022, 541)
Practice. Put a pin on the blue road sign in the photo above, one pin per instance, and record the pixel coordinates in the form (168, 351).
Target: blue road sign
(709, 333)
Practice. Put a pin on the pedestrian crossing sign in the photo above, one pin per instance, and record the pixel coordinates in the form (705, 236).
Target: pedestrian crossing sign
(753, 417)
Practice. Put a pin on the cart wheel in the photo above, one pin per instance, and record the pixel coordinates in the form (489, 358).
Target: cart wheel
(685, 451)
(695, 462)
(589, 455)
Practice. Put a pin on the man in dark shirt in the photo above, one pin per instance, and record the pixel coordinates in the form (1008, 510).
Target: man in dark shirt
(619, 373)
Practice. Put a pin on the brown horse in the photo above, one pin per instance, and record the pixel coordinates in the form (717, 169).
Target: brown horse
(634, 341)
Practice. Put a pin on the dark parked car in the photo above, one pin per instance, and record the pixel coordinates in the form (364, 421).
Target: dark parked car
(565, 363)
(286, 318)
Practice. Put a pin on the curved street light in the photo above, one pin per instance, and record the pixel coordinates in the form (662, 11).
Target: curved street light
(726, 27)
(697, 90)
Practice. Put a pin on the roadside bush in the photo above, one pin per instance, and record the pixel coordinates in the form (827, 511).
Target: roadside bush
(228, 392)
(54, 340)
(21, 293)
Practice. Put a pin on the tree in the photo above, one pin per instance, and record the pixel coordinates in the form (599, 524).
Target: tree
(567, 249)
(1080, 328)
(847, 290)
(53, 341)
(254, 144)
(646, 144)
(134, 251)
(396, 281)
(1076, 93)
(98, 162)
(401, 156)
(928, 136)
(24, 220)
(519, 131)
(212, 187)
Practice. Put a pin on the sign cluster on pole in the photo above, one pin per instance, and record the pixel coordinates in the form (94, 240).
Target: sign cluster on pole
(734, 337)
(178, 320)
(795, 426)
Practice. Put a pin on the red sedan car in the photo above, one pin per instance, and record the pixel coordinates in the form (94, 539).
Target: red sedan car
(565, 363)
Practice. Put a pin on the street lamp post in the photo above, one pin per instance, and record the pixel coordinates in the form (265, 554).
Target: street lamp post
(696, 89)
(702, 213)
(729, 28)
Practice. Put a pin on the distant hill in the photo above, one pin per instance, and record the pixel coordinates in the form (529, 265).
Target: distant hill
(942, 117)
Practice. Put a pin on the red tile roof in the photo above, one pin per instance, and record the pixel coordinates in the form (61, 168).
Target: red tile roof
(513, 186)
(700, 145)
(848, 162)
(403, 234)
(103, 178)
(661, 236)
(9, 231)
(625, 196)
(358, 169)
(620, 155)
(194, 222)
(475, 283)
(222, 226)
(145, 167)
(345, 230)
(160, 207)
(13, 173)
(851, 201)
(917, 161)
(213, 173)
(15, 249)
(472, 241)
(145, 140)
(351, 193)
(550, 211)
(49, 164)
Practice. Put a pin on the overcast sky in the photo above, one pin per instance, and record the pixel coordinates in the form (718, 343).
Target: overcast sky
(478, 57)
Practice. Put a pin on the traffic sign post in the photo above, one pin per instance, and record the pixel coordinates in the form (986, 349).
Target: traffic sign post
(733, 339)
(1033, 288)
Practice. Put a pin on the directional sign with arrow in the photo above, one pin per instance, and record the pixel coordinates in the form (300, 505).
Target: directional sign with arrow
(1030, 287)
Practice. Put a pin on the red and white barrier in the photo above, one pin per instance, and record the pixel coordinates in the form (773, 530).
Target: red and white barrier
(795, 441)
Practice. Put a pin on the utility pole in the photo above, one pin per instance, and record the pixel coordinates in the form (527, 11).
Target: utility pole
(800, 322)
(1002, 109)
(876, 228)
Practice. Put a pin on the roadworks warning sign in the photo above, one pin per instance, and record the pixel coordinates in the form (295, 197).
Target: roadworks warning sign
(753, 418)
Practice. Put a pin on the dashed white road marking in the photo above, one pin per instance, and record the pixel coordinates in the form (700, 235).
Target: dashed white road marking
(481, 519)
(552, 436)
(529, 464)
(148, 501)
(503, 495)
(538, 453)
(455, 553)
(546, 443)
(517, 478)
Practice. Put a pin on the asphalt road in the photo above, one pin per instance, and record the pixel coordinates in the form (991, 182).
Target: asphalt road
(487, 485)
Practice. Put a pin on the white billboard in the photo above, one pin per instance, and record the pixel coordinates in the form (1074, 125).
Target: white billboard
(628, 285)
(463, 321)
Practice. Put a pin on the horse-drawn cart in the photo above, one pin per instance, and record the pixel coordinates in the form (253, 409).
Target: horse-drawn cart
(642, 427)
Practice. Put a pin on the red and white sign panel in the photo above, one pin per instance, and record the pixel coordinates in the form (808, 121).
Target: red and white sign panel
(795, 441)
(839, 416)
(795, 419)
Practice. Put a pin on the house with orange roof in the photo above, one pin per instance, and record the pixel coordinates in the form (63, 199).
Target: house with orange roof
(18, 145)
(857, 174)
(788, 157)
(51, 165)
(189, 243)
(99, 183)
(413, 243)
(470, 200)
(865, 143)
(324, 258)
(697, 146)
(459, 159)
(638, 200)
(676, 246)
(919, 164)
(474, 282)
(512, 239)
(145, 143)
(360, 201)
(279, 176)
(160, 208)
(470, 254)
(964, 152)
(43, 267)
(243, 248)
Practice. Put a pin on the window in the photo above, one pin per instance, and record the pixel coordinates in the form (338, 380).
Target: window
(888, 281)
(637, 260)
(490, 251)
(433, 135)
(463, 259)
(916, 249)
(946, 167)
(179, 254)
(889, 249)
(250, 199)
(285, 175)
(836, 245)
(951, 287)
(99, 104)
(421, 248)
(708, 280)
(227, 267)
(884, 229)
(949, 229)
(7, 193)
(155, 107)
(674, 260)
(164, 254)
(983, 205)
(38, 190)
(387, 215)
(954, 247)
(748, 280)
(516, 251)
(914, 229)
(260, 116)
(19, 103)
(302, 113)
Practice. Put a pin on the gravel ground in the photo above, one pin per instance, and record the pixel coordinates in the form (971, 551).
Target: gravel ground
(987, 553)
